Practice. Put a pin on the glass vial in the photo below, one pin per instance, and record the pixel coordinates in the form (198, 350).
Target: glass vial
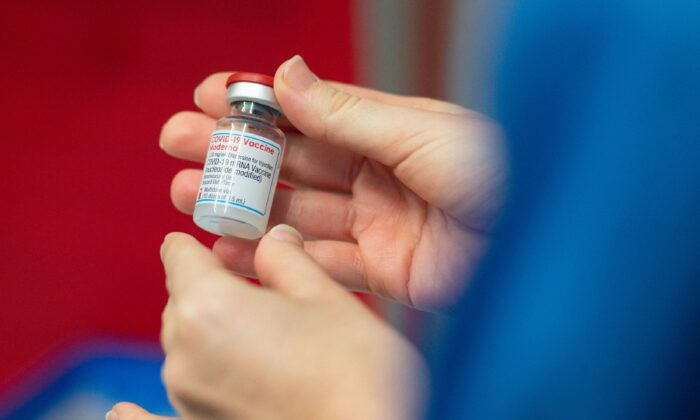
(243, 162)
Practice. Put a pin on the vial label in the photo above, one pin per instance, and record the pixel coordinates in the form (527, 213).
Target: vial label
(240, 171)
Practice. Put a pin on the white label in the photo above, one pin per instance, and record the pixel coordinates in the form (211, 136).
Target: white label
(240, 171)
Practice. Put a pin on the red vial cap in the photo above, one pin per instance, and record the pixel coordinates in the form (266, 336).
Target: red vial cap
(244, 76)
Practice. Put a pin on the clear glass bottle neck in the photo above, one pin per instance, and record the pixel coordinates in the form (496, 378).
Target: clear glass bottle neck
(250, 109)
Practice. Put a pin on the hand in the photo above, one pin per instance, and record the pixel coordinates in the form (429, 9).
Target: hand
(302, 348)
(395, 194)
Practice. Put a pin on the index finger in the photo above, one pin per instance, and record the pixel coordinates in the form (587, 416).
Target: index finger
(189, 264)
(210, 95)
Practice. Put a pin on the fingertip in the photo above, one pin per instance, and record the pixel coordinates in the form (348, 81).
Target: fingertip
(184, 188)
(129, 411)
(185, 259)
(185, 135)
(280, 71)
(195, 96)
(282, 68)
(236, 254)
(286, 233)
(212, 80)
(120, 406)
(282, 263)
(176, 238)
(123, 410)
(169, 241)
(292, 79)
(274, 248)
(166, 133)
(211, 94)
(297, 75)
(172, 236)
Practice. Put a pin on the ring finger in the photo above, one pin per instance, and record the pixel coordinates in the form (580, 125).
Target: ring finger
(316, 214)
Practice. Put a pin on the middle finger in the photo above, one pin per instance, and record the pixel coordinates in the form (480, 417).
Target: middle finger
(306, 162)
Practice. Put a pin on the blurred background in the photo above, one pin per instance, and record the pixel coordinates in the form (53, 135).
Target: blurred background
(86, 86)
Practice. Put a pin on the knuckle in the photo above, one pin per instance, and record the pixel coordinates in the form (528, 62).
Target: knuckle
(197, 314)
(189, 316)
(175, 377)
(341, 103)
(169, 285)
(350, 222)
(166, 323)
(189, 394)
(296, 209)
(165, 315)
(166, 338)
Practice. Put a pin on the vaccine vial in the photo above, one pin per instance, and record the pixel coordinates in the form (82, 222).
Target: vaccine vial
(243, 161)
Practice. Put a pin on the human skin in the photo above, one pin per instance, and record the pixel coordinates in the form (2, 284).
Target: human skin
(394, 195)
(300, 348)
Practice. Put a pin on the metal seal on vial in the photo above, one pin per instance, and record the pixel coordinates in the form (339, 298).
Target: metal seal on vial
(243, 86)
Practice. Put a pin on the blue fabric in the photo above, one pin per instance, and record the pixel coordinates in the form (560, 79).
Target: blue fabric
(85, 378)
(588, 304)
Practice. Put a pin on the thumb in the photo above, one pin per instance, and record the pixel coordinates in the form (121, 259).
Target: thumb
(384, 132)
(129, 411)
(281, 263)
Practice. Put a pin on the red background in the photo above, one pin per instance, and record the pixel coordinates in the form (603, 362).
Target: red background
(86, 86)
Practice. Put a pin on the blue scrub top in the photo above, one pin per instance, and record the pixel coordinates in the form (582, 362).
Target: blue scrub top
(587, 306)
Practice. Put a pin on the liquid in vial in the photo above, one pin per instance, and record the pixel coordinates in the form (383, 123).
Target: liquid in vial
(243, 162)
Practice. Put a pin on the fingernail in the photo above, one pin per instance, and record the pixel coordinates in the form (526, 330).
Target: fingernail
(160, 135)
(286, 233)
(196, 98)
(111, 415)
(162, 247)
(297, 74)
